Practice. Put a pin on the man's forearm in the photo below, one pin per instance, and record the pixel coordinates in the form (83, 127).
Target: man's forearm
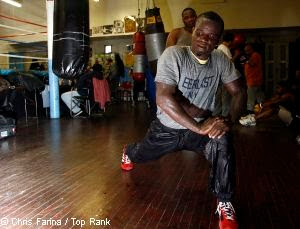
(191, 109)
(166, 100)
(176, 111)
(238, 105)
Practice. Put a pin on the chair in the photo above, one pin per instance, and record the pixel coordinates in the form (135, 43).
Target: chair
(46, 98)
(82, 101)
(28, 101)
(125, 92)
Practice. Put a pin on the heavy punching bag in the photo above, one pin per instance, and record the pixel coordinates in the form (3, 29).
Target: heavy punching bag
(139, 54)
(70, 38)
(155, 37)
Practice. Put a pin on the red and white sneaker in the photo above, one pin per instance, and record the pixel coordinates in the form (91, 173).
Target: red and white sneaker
(227, 217)
(126, 163)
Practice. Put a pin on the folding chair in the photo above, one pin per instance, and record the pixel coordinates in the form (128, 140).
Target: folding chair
(30, 102)
(82, 101)
(125, 92)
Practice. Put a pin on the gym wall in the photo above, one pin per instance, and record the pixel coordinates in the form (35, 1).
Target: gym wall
(237, 14)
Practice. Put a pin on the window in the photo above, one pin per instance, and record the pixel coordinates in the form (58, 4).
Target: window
(107, 48)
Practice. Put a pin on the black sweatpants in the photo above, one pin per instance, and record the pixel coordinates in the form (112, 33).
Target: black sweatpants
(161, 140)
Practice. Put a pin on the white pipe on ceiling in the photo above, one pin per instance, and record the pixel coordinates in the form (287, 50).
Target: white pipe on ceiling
(21, 20)
(16, 28)
(25, 57)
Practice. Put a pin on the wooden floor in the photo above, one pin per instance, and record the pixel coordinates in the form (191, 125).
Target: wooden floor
(67, 171)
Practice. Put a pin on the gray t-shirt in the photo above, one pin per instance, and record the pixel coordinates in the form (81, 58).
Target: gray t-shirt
(177, 66)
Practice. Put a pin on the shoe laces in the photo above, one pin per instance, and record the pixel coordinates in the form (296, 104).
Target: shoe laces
(248, 116)
(249, 120)
(252, 118)
(226, 209)
(125, 158)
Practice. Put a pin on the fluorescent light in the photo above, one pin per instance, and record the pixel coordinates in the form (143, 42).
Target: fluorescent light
(12, 2)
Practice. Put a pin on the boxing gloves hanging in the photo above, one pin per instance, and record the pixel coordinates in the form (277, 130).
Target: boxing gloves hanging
(70, 38)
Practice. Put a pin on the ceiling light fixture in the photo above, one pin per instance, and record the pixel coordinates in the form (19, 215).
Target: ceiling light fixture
(13, 2)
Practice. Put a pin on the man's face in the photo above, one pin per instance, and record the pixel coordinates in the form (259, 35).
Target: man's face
(189, 18)
(248, 50)
(205, 37)
(279, 90)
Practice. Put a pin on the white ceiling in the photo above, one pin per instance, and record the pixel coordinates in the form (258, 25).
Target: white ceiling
(32, 11)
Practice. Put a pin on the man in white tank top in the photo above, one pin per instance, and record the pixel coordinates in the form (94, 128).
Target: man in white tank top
(183, 36)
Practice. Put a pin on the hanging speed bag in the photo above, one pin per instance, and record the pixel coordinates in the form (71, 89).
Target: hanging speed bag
(70, 38)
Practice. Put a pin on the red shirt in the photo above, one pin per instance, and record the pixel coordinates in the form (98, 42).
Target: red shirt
(253, 70)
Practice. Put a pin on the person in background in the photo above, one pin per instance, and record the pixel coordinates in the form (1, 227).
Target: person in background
(101, 90)
(4, 92)
(223, 97)
(183, 36)
(138, 86)
(187, 80)
(282, 103)
(35, 65)
(254, 77)
(240, 58)
(4, 84)
(178, 36)
(11, 101)
(116, 72)
(42, 67)
(226, 44)
(82, 88)
(97, 67)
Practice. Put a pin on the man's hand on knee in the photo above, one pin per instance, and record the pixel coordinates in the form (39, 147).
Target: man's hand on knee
(214, 127)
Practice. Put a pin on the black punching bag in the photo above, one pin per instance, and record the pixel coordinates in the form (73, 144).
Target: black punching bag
(155, 37)
(70, 38)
